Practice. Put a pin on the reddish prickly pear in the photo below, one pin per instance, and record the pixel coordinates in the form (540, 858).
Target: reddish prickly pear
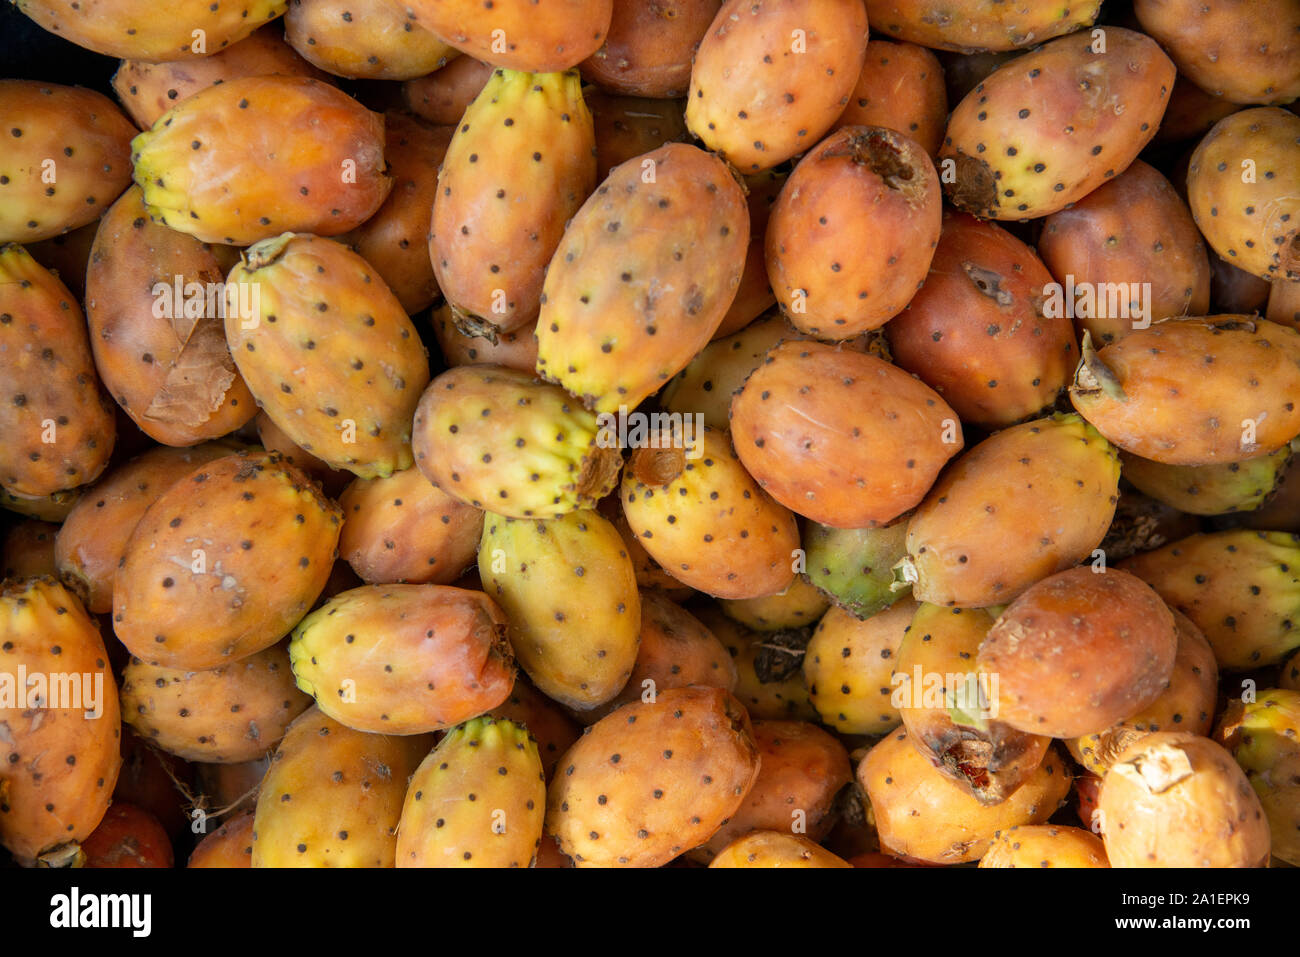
(497, 439)
(644, 275)
(705, 520)
(60, 754)
(518, 34)
(442, 97)
(977, 332)
(1209, 489)
(1043, 845)
(977, 25)
(649, 47)
(363, 39)
(864, 188)
(224, 563)
(520, 165)
(294, 153)
(754, 295)
(800, 429)
(854, 567)
(1047, 128)
(58, 425)
(771, 76)
(901, 88)
(130, 837)
(477, 800)
(775, 849)
(848, 665)
(514, 350)
(229, 846)
(651, 781)
(628, 126)
(67, 157)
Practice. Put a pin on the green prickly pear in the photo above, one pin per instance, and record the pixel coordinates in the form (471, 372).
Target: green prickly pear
(477, 800)
(520, 165)
(569, 591)
(854, 567)
(497, 439)
(1209, 489)
(328, 351)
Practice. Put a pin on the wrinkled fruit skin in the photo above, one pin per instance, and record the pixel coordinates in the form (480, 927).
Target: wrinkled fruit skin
(1049, 127)
(969, 26)
(538, 36)
(548, 723)
(670, 773)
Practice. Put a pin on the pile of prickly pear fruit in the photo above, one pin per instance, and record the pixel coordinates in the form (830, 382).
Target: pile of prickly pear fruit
(628, 433)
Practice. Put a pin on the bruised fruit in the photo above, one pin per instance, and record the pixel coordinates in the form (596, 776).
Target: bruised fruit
(224, 563)
(900, 87)
(848, 666)
(651, 781)
(976, 25)
(649, 47)
(363, 39)
(775, 849)
(1044, 845)
(404, 659)
(854, 567)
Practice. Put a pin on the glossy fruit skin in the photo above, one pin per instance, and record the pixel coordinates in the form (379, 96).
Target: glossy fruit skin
(848, 665)
(1058, 469)
(268, 538)
(340, 368)
(1034, 136)
(1149, 395)
(1210, 489)
(865, 187)
(1244, 191)
(477, 800)
(371, 40)
(68, 160)
(670, 778)
(496, 438)
(1242, 588)
(404, 659)
(162, 356)
(854, 567)
(51, 805)
(1043, 845)
(543, 37)
(797, 428)
(775, 849)
(333, 796)
(967, 26)
(1220, 821)
(976, 331)
(569, 592)
(229, 846)
(770, 77)
(297, 155)
(649, 47)
(59, 424)
(520, 165)
(673, 227)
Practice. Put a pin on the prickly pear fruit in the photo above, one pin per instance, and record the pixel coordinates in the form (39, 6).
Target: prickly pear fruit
(650, 575)
(848, 666)
(1242, 588)
(771, 76)
(754, 294)
(137, 29)
(48, 508)
(1209, 489)
(1244, 52)
(866, 188)
(1264, 737)
(294, 154)
(901, 88)
(329, 352)
(539, 36)
(977, 332)
(520, 165)
(775, 849)
(333, 796)
(477, 800)
(1173, 799)
(1133, 230)
(514, 350)
(976, 25)
(1290, 674)
(1244, 189)
(1046, 129)
(129, 837)
(651, 781)
(939, 697)
(1044, 845)
(1186, 704)
(673, 227)
(800, 429)
(442, 97)
(628, 126)
(676, 650)
(1025, 503)
(231, 714)
(1281, 512)
(769, 673)
(649, 47)
(27, 550)
(67, 157)
(568, 589)
(496, 438)
(67, 256)
(552, 728)
(60, 754)
(155, 309)
(363, 39)
(921, 814)
(395, 239)
(404, 659)
(1080, 651)
(274, 439)
(798, 606)
(58, 424)
(224, 563)
(703, 518)
(1284, 304)
(229, 846)
(855, 567)
(1149, 393)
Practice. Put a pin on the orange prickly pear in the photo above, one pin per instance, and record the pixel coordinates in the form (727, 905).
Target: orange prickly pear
(539, 36)
(364, 39)
(967, 26)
